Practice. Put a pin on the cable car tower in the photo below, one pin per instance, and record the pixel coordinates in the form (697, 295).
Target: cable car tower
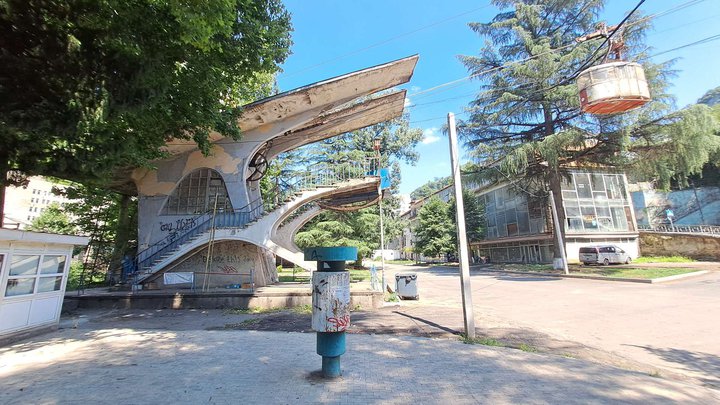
(615, 85)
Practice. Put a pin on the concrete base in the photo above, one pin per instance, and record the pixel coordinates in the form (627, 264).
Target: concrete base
(189, 300)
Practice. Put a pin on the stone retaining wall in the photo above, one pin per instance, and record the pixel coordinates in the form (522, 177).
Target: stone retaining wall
(699, 247)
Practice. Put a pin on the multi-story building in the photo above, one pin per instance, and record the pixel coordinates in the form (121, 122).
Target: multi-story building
(24, 204)
(519, 226)
(597, 208)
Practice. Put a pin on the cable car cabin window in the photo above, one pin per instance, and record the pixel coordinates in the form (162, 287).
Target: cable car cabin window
(197, 193)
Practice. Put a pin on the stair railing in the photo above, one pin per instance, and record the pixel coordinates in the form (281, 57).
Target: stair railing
(322, 174)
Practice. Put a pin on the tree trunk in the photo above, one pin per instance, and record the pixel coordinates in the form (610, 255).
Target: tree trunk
(122, 236)
(554, 182)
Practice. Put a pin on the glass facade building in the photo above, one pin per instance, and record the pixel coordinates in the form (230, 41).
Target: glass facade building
(597, 208)
(596, 203)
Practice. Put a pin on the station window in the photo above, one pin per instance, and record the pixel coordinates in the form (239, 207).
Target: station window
(30, 274)
(197, 193)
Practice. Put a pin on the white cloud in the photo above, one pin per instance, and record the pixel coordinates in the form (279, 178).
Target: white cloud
(408, 103)
(429, 136)
(415, 89)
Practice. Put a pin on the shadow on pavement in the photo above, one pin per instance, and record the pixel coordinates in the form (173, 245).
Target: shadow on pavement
(707, 365)
(427, 322)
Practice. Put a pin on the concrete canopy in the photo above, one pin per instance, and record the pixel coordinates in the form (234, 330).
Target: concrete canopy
(330, 104)
(307, 114)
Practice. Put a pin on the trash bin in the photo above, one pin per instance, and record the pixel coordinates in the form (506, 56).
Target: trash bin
(406, 286)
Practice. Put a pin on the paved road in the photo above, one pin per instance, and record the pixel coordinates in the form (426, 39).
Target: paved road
(673, 326)
(101, 364)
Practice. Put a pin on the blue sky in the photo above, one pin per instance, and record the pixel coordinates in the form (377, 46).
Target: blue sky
(337, 37)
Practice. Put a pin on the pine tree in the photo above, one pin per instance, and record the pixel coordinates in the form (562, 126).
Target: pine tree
(434, 232)
(528, 116)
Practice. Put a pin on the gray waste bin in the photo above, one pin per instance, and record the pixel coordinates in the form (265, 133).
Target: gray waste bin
(406, 286)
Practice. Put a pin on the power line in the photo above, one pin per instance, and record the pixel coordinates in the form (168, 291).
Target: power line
(455, 83)
(698, 42)
(383, 42)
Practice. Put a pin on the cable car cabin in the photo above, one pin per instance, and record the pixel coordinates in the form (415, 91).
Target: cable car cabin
(612, 88)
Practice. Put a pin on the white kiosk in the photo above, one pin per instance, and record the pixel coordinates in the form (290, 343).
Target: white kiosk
(34, 269)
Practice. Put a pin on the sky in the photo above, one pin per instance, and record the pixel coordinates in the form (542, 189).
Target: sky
(332, 38)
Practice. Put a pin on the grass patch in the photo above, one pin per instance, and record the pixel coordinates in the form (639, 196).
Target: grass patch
(391, 297)
(302, 309)
(245, 323)
(304, 276)
(630, 272)
(485, 341)
(538, 268)
(664, 259)
(295, 274)
(400, 261)
(527, 348)
(252, 311)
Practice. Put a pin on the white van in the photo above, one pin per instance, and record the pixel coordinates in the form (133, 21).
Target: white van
(604, 254)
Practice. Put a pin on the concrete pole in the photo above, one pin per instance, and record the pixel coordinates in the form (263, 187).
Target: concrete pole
(468, 315)
(558, 232)
(382, 238)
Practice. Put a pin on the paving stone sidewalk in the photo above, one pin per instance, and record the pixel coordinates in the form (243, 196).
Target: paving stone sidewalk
(104, 365)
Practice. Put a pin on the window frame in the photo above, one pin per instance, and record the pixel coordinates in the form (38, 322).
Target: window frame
(37, 276)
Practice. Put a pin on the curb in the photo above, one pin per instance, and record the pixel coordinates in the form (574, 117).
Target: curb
(601, 278)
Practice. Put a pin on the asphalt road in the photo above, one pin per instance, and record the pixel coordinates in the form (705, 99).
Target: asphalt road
(673, 326)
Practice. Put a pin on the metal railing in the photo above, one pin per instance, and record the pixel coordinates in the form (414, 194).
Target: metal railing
(316, 176)
(694, 229)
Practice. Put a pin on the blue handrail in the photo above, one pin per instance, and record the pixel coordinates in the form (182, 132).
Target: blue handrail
(316, 176)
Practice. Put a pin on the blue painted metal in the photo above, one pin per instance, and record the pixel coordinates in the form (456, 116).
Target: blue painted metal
(331, 367)
(385, 182)
(331, 254)
(330, 345)
(319, 175)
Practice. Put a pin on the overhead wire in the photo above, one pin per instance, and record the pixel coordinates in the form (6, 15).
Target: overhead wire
(471, 76)
(711, 38)
(666, 12)
(383, 42)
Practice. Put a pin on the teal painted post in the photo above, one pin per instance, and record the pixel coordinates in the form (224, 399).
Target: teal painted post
(331, 303)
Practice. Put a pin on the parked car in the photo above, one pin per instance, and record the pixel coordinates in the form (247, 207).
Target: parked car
(603, 254)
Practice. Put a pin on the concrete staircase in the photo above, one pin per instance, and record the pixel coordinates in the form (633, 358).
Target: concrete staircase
(260, 228)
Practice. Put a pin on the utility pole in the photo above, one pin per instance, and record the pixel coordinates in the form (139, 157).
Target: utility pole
(558, 232)
(468, 315)
(376, 146)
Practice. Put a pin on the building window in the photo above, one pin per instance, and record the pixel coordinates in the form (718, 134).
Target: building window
(197, 193)
(595, 202)
(30, 274)
(510, 214)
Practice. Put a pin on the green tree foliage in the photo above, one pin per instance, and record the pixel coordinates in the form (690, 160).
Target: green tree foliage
(474, 217)
(108, 219)
(53, 220)
(90, 86)
(529, 112)
(711, 97)
(330, 228)
(429, 188)
(355, 228)
(528, 115)
(434, 232)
